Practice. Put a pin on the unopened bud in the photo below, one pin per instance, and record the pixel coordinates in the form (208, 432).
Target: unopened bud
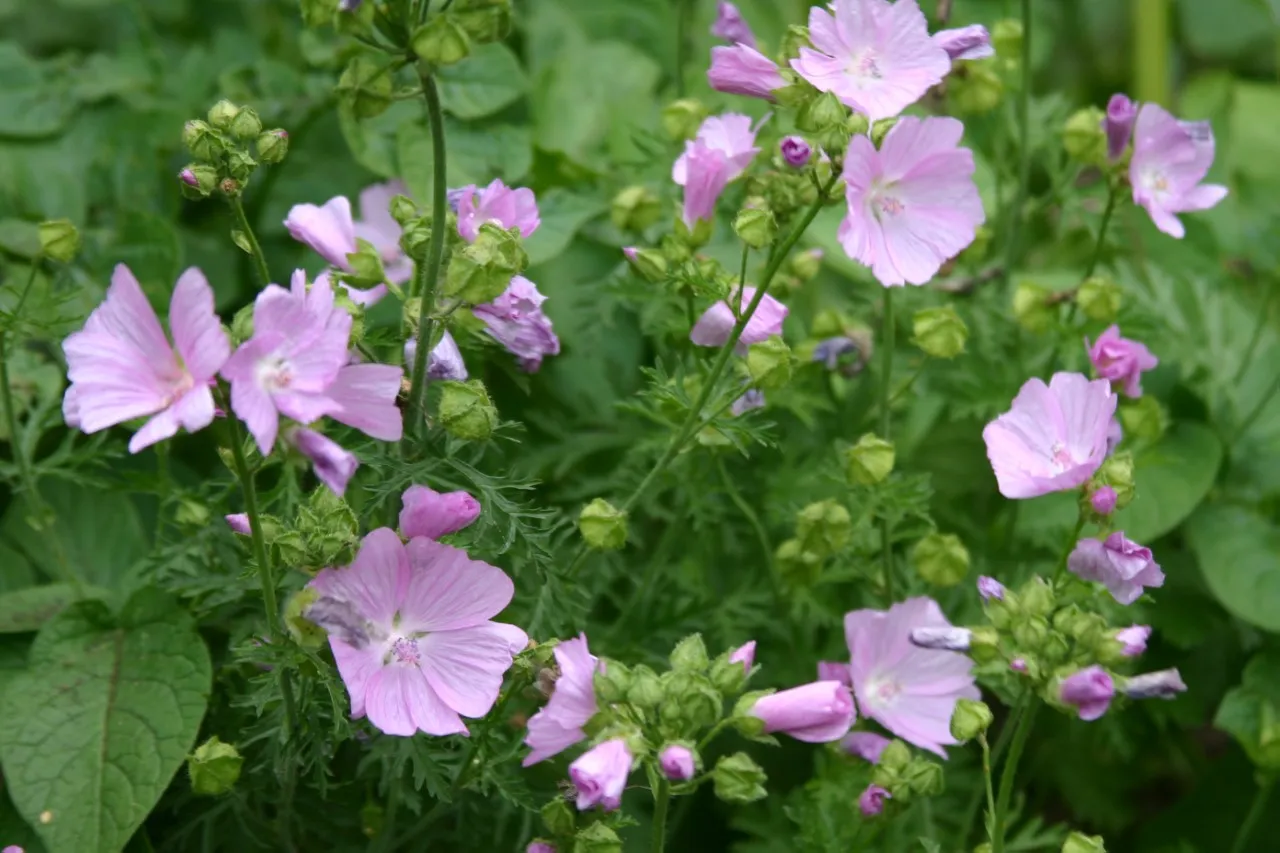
(1117, 472)
(466, 411)
(807, 264)
(869, 461)
(1078, 842)
(824, 112)
(949, 639)
(970, 719)
(649, 263)
(273, 145)
(941, 559)
(755, 226)
(681, 119)
(1103, 500)
(485, 20)
(645, 691)
(1144, 418)
(1006, 38)
(246, 125)
(1164, 684)
(990, 588)
(59, 240)
(603, 525)
(201, 140)
(738, 779)
(214, 767)
(1030, 307)
(222, 114)
(975, 92)
(769, 363)
(940, 332)
(690, 654)
(635, 208)
(198, 181)
(1118, 125)
(1083, 137)
(881, 129)
(1099, 298)
(441, 41)
(795, 151)
(678, 762)
(824, 528)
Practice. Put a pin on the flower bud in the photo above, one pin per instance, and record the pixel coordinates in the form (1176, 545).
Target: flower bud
(365, 265)
(1144, 418)
(59, 240)
(923, 777)
(603, 526)
(940, 332)
(856, 125)
(1083, 137)
(273, 145)
(540, 845)
(198, 181)
(645, 691)
(975, 92)
(1006, 38)
(222, 114)
(650, 264)
(241, 165)
(822, 113)
(441, 40)
(214, 767)
(305, 633)
(1089, 691)
(1035, 597)
(824, 528)
(941, 559)
(871, 801)
(1103, 500)
(690, 655)
(557, 817)
(482, 271)
(689, 701)
(795, 151)
(612, 681)
(755, 226)
(881, 129)
(738, 779)
(797, 566)
(1118, 124)
(466, 412)
(1117, 472)
(364, 89)
(403, 210)
(597, 837)
(681, 119)
(485, 20)
(202, 141)
(678, 762)
(1078, 842)
(246, 125)
(1132, 641)
(769, 363)
(990, 588)
(231, 188)
(970, 719)
(635, 209)
(1031, 633)
(869, 461)
(1099, 298)
(727, 675)
(1030, 307)
(984, 644)
(192, 513)
(807, 264)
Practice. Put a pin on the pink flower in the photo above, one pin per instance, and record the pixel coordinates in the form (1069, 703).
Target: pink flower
(910, 691)
(1121, 113)
(1089, 691)
(363, 396)
(677, 763)
(865, 745)
(600, 775)
(730, 26)
(418, 650)
(912, 204)
(795, 151)
(744, 654)
(558, 725)
(1165, 684)
(1133, 639)
(333, 465)
(1170, 159)
(298, 346)
(1120, 360)
(431, 514)
(990, 588)
(1124, 567)
(382, 231)
(817, 712)
(498, 203)
(716, 323)
(829, 670)
(12, 848)
(516, 321)
(539, 847)
(122, 366)
(1053, 438)
(730, 134)
(871, 801)
(1103, 500)
(875, 56)
(239, 523)
(742, 70)
(706, 173)
(331, 233)
(971, 42)
(443, 362)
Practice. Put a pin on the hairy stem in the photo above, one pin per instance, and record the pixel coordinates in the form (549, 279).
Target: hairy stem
(1002, 743)
(259, 259)
(1112, 197)
(661, 799)
(1071, 545)
(1010, 771)
(886, 426)
(1255, 814)
(429, 273)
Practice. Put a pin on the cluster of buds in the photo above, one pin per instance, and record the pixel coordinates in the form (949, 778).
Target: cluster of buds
(227, 149)
(897, 778)
(823, 530)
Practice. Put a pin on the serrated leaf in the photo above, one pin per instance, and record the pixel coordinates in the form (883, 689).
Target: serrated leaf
(1237, 552)
(120, 703)
(485, 82)
(1172, 478)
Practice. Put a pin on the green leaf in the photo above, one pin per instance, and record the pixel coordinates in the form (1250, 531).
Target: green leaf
(1172, 478)
(562, 214)
(148, 244)
(1250, 712)
(120, 703)
(1237, 552)
(473, 154)
(14, 830)
(28, 609)
(19, 237)
(373, 141)
(485, 82)
(31, 105)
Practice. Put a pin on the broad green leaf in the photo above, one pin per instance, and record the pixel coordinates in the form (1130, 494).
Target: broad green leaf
(373, 141)
(31, 104)
(148, 244)
(1237, 552)
(473, 155)
(1172, 477)
(27, 609)
(485, 82)
(13, 829)
(120, 701)
(20, 237)
(1223, 28)
(562, 214)
(1250, 712)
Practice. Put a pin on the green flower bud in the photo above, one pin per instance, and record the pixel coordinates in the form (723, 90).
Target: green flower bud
(645, 691)
(603, 525)
(984, 644)
(806, 265)
(485, 20)
(1117, 472)
(364, 88)
(293, 551)
(970, 719)
(923, 778)
(940, 332)
(824, 112)
(869, 461)
(1035, 597)
(1006, 38)
(689, 702)
(856, 124)
(202, 141)
(881, 129)
(214, 767)
(756, 227)
(193, 513)
(1144, 418)
(222, 114)
(728, 676)
(975, 92)
(769, 363)
(403, 210)
(824, 528)
(558, 818)
(232, 188)
(1099, 298)
(793, 39)
(273, 145)
(1031, 633)
(481, 271)
(681, 119)
(441, 40)
(941, 559)
(1031, 309)
(59, 240)
(1080, 843)
(738, 779)
(635, 209)
(690, 655)
(795, 564)
(895, 757)
(597, 838)
(365, 265)
(1083, 137)
(304, 632)
(246, 125)
(649, 263)
(241, 165)
(1055, 650)
(613, 682)
(466, 411)
(695, 237)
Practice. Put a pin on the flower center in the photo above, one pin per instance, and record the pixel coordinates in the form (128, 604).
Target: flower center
(864, 67)
(1061, 459)
(1155, 181)
(405, 650)
(883, 692)
(274, 373)
(884, 203)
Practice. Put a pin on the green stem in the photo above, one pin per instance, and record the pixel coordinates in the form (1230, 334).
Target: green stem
(1011, 771)
(886, 427)
(1024, 143)
(260, 260)
(1002, 743)
(1151, 38)
(1112, 197)
(761, 534)
(1263, 314)
(429, 273)
(1071, 545)
(10, 413)
(986, 775)
(1255, 814)
(661, 799)
(694, 417)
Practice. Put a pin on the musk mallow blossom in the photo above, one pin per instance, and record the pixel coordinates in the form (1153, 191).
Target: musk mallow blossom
(1124, 567)
(334, 465)
(909, 690)
(443, 362)
(1170, 159)
(516, 321)
(818, 712)
(971, 42)
(677, 762)
(331, 232)
(871, 801)
(732, 135)
(429, 513)
(715, 326)
(706, 174)
(121, 366)
(743, 70)
(912, 203)
(498, 203)
(363, 396)
(731, 26)
(558, 725)
(989, 588)
(1133, 640)
(1121, 360)
(1053, 438)
(1089, 691)
(411, 630)
(876, 57)
(600, 775)
(1118, 124)
(379, 228)
(866, 745)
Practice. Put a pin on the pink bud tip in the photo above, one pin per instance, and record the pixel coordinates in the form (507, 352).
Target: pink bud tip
(677, 763)
(1103, 500)
(630, 252)
(189, 178)
(871, 802)
(795, 151)
(1018, 665)
(239, 523)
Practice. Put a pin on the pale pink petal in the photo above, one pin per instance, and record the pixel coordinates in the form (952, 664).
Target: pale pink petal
(328, 229)
(450, 591)
(356, 666)
(465, 667)
(364, 397)
(398, 701)
(197, 331)
(376, 583)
